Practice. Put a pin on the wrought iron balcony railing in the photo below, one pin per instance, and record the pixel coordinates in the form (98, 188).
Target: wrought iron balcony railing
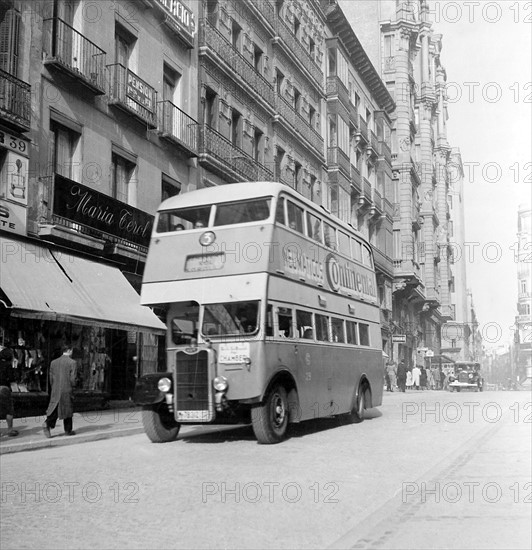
(264, 7)
(15, 101)
(132, 94)
(72, 52)
(231, 157)
(298, 124)
(338, 160)
(213, 39)
(178, 127)
(294, 46)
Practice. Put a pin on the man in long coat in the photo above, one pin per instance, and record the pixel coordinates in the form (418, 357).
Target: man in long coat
(62, 379)
(401, 376)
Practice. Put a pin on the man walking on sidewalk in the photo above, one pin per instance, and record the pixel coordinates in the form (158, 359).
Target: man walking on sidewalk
(6, 400)
(62, 379)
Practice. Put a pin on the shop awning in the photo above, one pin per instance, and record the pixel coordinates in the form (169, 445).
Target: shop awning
(41, 282)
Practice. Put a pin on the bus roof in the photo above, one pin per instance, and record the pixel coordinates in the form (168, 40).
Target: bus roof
(242, 191)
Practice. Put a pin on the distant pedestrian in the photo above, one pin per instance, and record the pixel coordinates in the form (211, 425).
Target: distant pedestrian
(423, 378)
(62, 380)
(401, 376)
(416, 375)
(391, 372)
(409, 380)
(6, 399)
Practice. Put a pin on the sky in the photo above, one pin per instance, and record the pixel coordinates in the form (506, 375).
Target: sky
(487, 49)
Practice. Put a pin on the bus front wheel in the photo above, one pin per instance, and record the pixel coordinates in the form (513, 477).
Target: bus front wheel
(159, 424)
(270, 418)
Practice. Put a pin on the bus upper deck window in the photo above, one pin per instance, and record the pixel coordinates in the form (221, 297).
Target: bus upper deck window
(366, 256)
(314, 227)
(356, 252)
(183, 218)
(232, 213)
(279, 214)
(295, 217)
(329, 234)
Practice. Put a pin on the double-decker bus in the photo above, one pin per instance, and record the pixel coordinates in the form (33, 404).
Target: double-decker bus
(271, 313)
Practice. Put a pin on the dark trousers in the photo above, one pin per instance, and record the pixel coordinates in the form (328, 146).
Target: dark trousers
(401, 383)
(52, 419)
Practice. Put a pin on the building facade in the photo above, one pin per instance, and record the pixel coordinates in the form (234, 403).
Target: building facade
(523, 320)
(399, 38)
(98, 125)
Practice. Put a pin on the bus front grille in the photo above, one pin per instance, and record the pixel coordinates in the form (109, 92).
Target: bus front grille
(193, 401)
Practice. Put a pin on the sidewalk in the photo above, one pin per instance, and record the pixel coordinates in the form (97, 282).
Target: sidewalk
(89, 426)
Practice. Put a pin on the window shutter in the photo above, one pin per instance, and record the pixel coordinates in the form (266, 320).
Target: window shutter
(9, 41)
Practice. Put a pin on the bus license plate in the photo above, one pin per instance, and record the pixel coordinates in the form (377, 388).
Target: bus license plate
(204, 262)
(193, 415)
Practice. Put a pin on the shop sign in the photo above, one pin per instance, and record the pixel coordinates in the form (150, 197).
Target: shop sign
(84, 205)
(179, 18)
(140, 92)
(14, 178)
(399, 338)
(12, 217)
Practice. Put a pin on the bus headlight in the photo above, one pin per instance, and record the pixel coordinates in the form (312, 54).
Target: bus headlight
(164, 384)
(220, 383)
(207, 238)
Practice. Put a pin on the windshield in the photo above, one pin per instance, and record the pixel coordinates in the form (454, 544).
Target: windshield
(231, 318)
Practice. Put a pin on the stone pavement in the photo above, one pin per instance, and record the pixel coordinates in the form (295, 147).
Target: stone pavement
(88, 426)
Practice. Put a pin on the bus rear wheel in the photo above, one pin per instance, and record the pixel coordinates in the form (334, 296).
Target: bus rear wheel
(270, 418)
(358, 412)
(159, 424)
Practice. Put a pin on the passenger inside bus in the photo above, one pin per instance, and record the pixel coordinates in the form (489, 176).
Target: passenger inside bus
(284, 318)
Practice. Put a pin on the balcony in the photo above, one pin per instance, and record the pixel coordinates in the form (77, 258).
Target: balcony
(366, 187)
(363, 129)
(373, 142)
(384, 151)
(297, 124)
(382, 262)
(229, 161)
(377, 200)
(338, 160)
(75, 55)
(408, 271)
(356, 179)
(448, 312)
(337, 90)
(223, 52)
(178, 128)
(132, 94)
(295, 49)
(264, 7)
(15, 102)
(388, 208)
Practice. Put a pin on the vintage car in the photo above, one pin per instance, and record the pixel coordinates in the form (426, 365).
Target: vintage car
(466, 377)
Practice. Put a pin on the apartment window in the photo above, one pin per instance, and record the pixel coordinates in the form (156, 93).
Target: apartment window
(258, 138)
(297, 27)
(451, 284)
(236, 34)
(388, 45)
(279, 79)
(66, 150)
(123, 45)
(333, 132)
(258, 56)
(212, 12)
(169, 187)
(297, 100)
(236, 128)
(279, 158)
(312, 116)
(451, 229)
(209, 108)
(9, 39)
(299, 177)
(313, 191)
(122, 171)
(332, 62)
(450, 201)
(523, 286)
(312, 48)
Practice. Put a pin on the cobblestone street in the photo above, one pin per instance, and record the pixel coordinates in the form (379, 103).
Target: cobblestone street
(460, 479)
